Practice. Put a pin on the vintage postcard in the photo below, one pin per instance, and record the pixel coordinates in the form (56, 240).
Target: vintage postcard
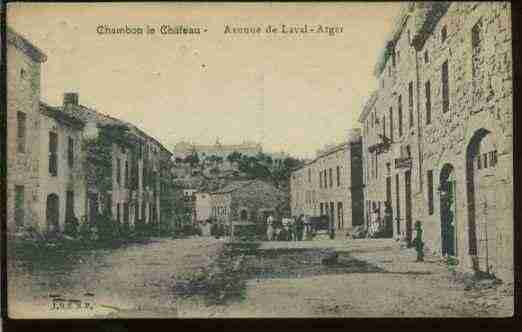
(182, 160)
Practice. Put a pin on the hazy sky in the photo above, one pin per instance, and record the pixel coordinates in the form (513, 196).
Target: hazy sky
(291, 92)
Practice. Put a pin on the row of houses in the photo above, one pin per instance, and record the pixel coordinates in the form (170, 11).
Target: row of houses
(72, 163)
(437, 136)
(331, 184)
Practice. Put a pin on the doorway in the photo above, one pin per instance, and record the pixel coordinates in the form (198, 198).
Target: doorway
(481, 178)
(52, 213)
(448, 203)
(409, 229)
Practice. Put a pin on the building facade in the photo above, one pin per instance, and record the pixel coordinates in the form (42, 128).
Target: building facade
(437, 134)
(61, 176)
(331, 184)
(248, 202)
(24, 202)
(72, 162)
(184, 149)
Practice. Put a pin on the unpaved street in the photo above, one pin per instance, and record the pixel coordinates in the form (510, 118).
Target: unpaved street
(372, 278)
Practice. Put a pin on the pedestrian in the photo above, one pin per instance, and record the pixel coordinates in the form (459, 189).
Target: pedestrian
(306, 225)
(300, 228)
(419, 245)
(270, 228)
(388, 219)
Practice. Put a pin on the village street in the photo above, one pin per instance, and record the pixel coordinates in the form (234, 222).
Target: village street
(372, 278)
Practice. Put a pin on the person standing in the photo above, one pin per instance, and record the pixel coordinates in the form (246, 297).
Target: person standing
(270, 228)
(419, 245)
(299, 228)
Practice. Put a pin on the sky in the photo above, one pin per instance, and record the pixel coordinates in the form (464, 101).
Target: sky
(291, 92)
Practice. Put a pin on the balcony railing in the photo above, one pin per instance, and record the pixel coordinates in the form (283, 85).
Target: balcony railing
(380, 147)
(404, 162)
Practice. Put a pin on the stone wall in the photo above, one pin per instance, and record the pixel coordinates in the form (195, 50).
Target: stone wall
(480, 110)
(23, 95)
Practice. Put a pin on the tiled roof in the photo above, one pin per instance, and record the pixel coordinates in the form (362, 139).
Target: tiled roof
(60, 116)
(25, 46)
(87, 114)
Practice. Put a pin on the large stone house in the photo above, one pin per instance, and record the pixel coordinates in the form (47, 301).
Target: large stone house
(248, 202)
(437, 134)
(24, 201)
(331, 184)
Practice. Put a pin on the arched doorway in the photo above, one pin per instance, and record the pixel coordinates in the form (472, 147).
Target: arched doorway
(52, 213)
(481, 161)
(448, 215)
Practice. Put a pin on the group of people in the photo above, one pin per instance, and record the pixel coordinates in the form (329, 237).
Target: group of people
(287, 229)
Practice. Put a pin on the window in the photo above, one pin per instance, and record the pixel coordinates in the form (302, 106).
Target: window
(330, 174)
(493, 158)
(69, 204)
(410, 102)
(430, 192)
(118, 171)
(118, 212)
(19, 205)
(479, 163)
(400, 115)
(21, 117)
(53, 154)
(384, 125)
(409, 37)
(70, 152)
(445, 87)
(443, 34)
(338, 176)
(376, 165)
(320, 179)
(397, 196)
(244, 215)
(427, 88)
(309, 175)
(390, 116)
(485, 159)
(476, 49)
(23, 73)
(426, 57)
(325, 179)
(126, 175)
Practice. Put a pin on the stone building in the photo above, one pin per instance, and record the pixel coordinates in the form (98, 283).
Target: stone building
(127, 170)
(183, 149)
(242, 203)
(437, 134)
(24, 202)
(61, 177)
(331, 184)
(72, 161)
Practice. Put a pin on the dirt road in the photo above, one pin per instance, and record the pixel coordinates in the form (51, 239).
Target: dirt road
(372, 278)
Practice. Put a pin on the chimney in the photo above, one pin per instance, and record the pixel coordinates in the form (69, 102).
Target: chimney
(70, 98)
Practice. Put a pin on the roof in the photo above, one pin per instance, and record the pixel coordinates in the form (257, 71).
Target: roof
(87, 114)
(25, 46)
(60, 116)
(398, 25)
(368, 106)
(233, 186)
